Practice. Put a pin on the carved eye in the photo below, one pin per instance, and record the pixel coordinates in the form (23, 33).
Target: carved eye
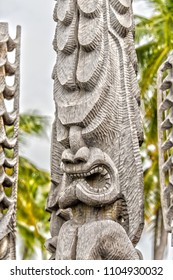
(82, 155)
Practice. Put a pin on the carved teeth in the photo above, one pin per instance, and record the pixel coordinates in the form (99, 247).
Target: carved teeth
(107, 176)
(104, 172)
(93, 189)
(107, 186)
(100, 169)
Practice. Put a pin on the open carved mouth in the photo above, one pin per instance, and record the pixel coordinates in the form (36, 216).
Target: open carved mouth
(97, 180)
(94, 182)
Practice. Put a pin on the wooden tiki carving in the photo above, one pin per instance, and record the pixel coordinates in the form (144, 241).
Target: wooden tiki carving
(96, 196)
(9, 127)
(165, 140)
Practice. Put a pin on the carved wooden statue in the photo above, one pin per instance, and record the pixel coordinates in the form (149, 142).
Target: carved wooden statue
(9, 126)
(96, 197)
(165, 140)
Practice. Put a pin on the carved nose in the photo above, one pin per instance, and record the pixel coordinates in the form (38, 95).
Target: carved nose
(82, 155)
(67, 156)
(78, 152)
(75, 139)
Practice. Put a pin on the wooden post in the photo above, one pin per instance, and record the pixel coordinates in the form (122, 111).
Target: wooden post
(165, 139)
(9, 128)
(96, 197)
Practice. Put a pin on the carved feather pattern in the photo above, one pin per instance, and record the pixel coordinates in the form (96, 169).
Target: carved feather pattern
(8, 143)
(95, 87)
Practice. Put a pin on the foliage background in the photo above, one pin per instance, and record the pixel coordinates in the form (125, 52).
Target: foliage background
(154, 40)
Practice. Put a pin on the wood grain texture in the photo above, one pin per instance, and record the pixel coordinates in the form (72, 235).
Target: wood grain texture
(8, 141)
(97, 130)
(165, 139)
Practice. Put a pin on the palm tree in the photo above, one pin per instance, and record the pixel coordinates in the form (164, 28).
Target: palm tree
(154, 39)
(33, 186)
(154, 36)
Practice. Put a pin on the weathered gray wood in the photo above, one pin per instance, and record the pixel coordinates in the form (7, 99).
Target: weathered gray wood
(96, 166)
(165, 139)
(8, 143)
